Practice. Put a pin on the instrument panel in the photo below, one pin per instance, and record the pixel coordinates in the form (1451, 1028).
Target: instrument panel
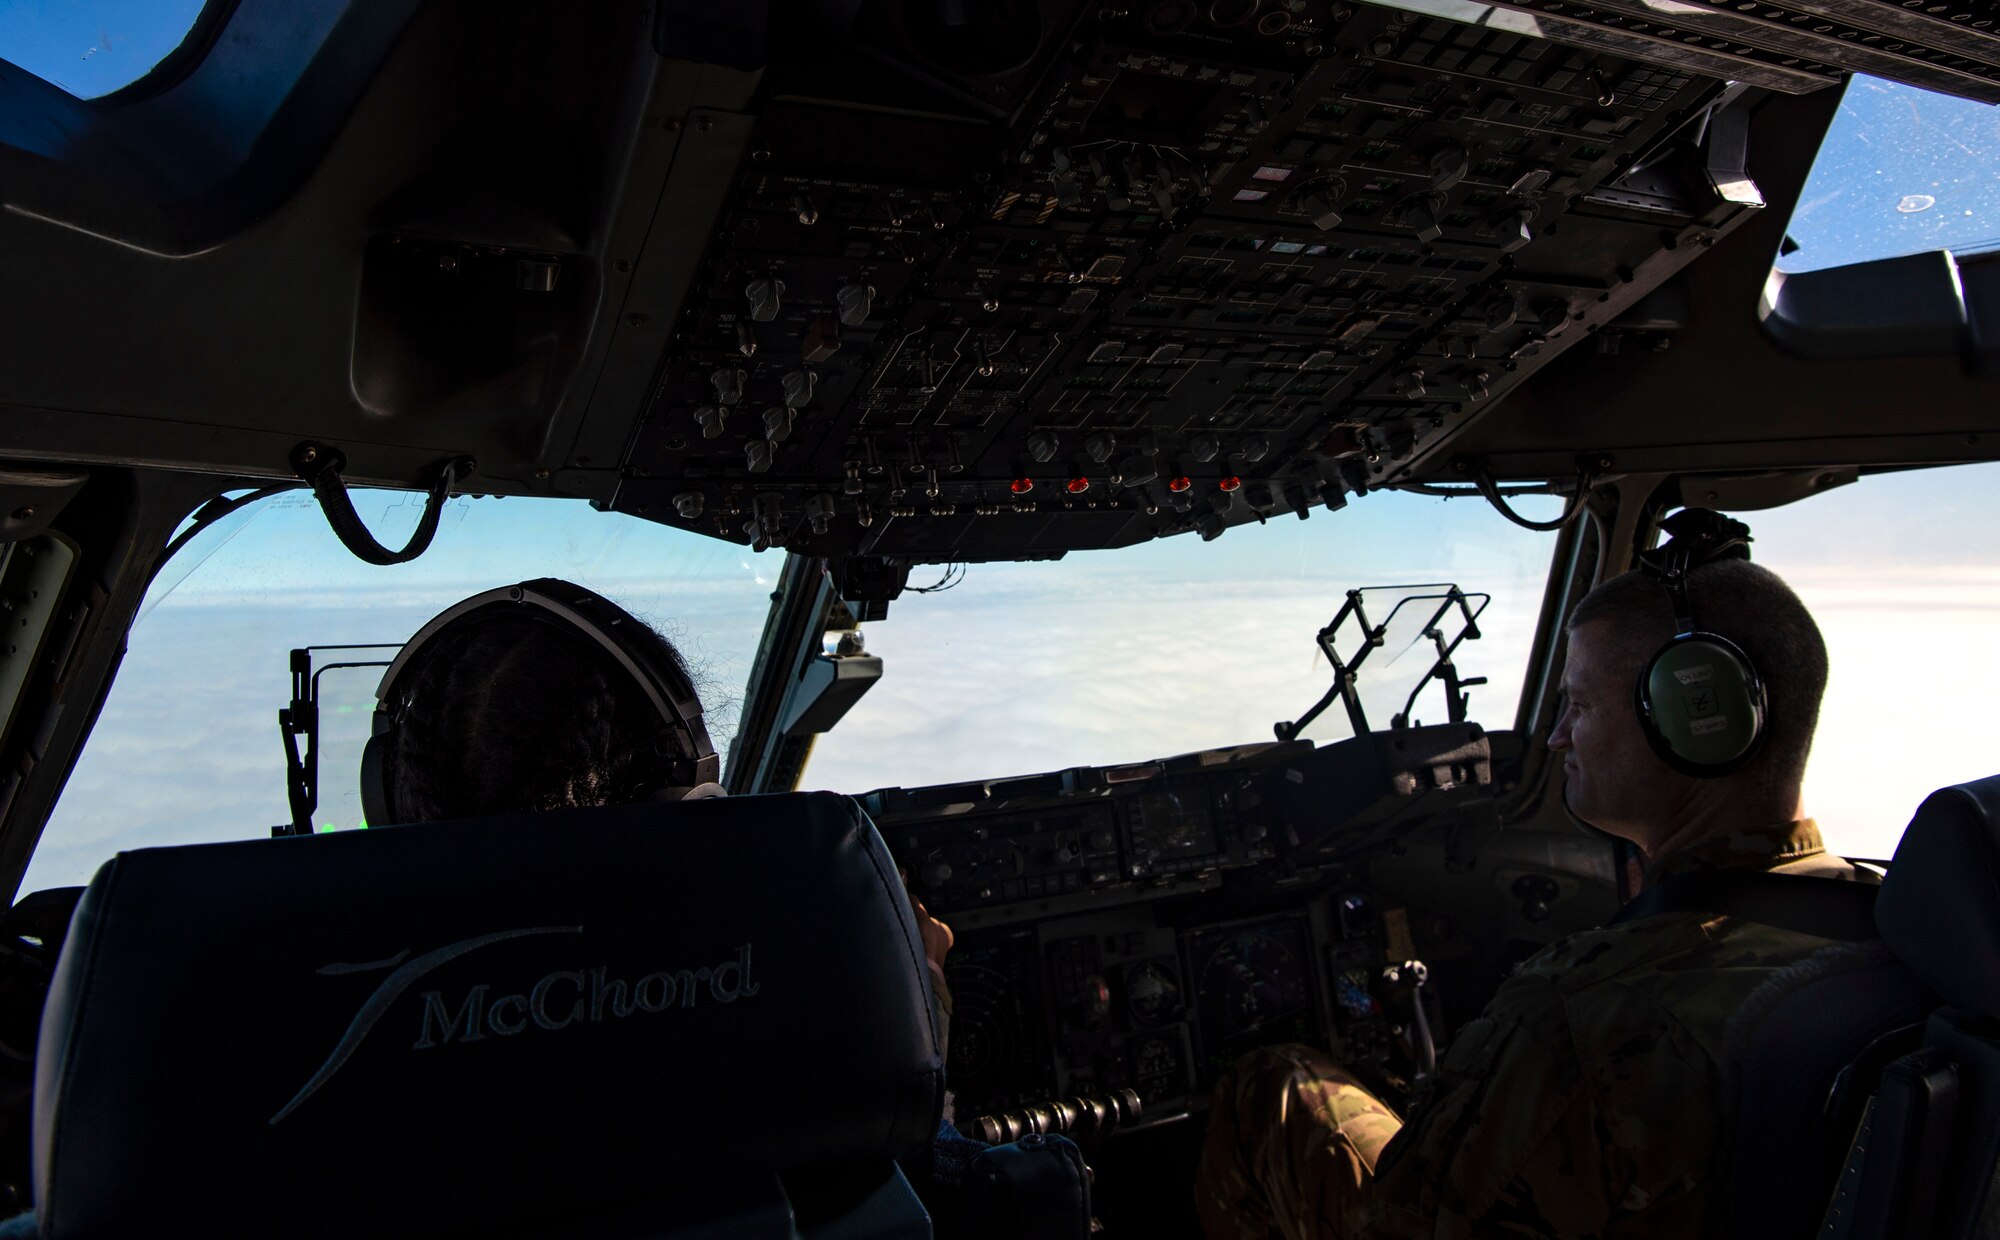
(1126, 933)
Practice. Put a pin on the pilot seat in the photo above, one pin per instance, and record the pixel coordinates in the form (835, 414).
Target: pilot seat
(1865, 1079)
(703, 1019)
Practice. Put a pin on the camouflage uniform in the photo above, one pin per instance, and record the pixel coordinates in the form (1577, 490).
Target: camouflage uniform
(1587, 1100)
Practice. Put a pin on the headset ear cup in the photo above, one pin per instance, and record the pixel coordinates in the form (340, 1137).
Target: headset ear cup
(375, 779)
(1702, 705)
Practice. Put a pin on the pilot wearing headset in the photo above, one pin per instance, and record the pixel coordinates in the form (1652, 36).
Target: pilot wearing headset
(539, 696)
(1588, 1099)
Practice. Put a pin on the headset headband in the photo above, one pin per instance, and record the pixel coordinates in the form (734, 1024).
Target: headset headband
(629, 642)
(1696, 536)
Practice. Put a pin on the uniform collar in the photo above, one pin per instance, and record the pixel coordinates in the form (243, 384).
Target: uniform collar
(1761, 848)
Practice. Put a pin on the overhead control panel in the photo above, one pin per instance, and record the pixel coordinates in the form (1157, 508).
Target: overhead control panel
(1077, 275)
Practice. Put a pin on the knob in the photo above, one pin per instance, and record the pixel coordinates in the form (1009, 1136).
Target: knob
(1514, 228)
(728, 383)
(746, 338)
(1100, 446)
(1476, 384)
(1254, 832)
(1093, 1000)
(757, 455)
(1500, 312)
(819, 512)
(804, 207)
(935, 874)
(764, 294)
(1255, 449)
(856, 302)
(1205, 448)
(1421, 216)
(1528, 182)
(1410, 383)
(1101, 840)
(689, 504)
(1318, 207)
(822, 339)
(1136, 471)
(1449, 166)
(1043, 446)
(770, 513)
(777, 423)
(798, 388)
(710, 419)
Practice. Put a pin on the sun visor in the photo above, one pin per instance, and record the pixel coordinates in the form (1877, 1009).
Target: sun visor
(481, 1023)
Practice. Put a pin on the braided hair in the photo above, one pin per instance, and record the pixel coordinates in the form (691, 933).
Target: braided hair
(514, 712)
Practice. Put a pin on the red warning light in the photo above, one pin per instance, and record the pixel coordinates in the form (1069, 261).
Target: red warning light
(1230, 483)
(1177, 485)
(1077, 486)
(1021, 486)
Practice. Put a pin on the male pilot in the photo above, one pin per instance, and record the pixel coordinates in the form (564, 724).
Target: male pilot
(1587, 1100)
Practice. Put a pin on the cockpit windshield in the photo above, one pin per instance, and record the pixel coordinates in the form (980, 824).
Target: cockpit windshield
(188, 748)
(1178, 645)
(1098, 658)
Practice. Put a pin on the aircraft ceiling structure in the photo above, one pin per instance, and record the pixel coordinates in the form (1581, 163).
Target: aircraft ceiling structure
(925, 281)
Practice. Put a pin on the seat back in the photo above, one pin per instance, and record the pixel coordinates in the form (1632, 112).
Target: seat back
(1928, 1163)
(1789, 1047)
(1815, 1024)
(507, 1025)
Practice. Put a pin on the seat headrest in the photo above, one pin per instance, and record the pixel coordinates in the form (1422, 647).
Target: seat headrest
(1940, 905)
(481, 1022)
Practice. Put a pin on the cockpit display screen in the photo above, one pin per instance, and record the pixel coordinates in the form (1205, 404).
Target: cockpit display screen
(1251, 987)
(1171, 826)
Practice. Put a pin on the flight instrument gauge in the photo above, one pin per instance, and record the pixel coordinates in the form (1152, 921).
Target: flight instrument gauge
(1152, 993)
(1251, 987)
(997, 1058)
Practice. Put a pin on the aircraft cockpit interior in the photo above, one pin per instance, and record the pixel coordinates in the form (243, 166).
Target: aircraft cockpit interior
(1112, 480)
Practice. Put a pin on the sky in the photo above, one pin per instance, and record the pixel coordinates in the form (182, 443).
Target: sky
(93, 47)
(1903, 171)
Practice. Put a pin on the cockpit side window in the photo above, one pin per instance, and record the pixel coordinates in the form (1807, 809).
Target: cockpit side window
(1902, 171)
(94, 48)
(1898, 571)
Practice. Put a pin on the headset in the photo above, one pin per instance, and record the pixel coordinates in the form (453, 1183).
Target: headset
(1700, 699)
(630, 642)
